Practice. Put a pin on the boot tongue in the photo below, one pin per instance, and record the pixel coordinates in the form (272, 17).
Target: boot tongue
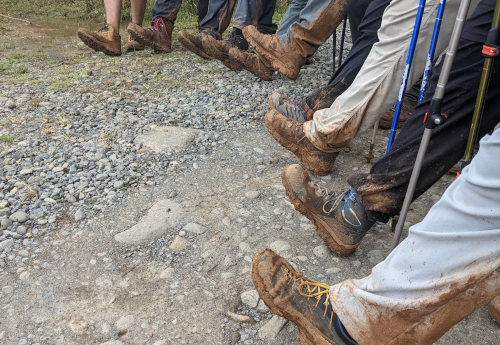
(337, 324)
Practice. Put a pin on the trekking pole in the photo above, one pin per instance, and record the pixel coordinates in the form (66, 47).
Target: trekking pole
(433, 118)
(369, 155)
(406, 73)
(342, 39)
(490, 51)
(432, 49)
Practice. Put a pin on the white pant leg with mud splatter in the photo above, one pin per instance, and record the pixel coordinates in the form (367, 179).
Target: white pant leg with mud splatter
(447, 267)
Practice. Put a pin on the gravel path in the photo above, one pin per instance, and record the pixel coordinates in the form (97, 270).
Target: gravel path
(74, 175)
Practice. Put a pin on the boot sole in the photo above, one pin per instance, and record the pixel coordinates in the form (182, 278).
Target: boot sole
(90, 42)
(263, 76)
(303, 326)
(282, 67)
(308, 162)
(222, 56)
(191, 47)
(334, 243)
(144, 41)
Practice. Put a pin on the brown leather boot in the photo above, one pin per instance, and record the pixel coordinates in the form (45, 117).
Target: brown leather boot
(252, 62)
(219, 50)
(290, 135)
(289, 54)
(158, 36)
(301, 300)
(295, 111)
(340, 219)
(193, 42)
(386, 121)
(132, 45)
(105, 40)
(494, 309)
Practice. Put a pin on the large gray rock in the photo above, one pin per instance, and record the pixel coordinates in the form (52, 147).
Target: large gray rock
(161, 217)
(167, 138)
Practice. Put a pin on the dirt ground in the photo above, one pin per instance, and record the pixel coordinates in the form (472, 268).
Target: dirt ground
(81, 286)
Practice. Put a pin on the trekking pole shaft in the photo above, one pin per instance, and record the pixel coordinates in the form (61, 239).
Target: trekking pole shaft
(432, 122)
(406, 73)
(481, 94)
(411, 186)
(432, 49)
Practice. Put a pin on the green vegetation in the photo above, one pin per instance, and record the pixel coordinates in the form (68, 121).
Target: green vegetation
(87, 9)
(6, 139)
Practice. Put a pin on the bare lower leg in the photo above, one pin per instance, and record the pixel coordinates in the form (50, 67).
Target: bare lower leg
(137, 7)
(113, 10)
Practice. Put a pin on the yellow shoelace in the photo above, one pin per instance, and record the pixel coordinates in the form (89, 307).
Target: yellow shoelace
(312, 289)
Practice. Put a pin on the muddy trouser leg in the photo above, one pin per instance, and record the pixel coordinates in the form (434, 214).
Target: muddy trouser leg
(292, 15)
(383, 189)
(257, 13)
(375, 88)
(448, 267)
(202, 10)
(218, 16)
(166, 9)
(316, 24)
(344, 76)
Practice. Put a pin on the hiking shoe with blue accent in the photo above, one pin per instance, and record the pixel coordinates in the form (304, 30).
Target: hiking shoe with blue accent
(301, 300)
(340, 219)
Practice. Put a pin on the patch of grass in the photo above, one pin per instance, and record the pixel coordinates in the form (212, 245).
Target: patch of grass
(107, 136)
(6, 139)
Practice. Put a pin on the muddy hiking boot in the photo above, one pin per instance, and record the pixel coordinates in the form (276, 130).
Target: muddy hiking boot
(158, 36)
(194, 42)
(252, 62)
(132, 45)
(298, 299)
(105, 40)
(219, 50)
(386, 120)
(293, 110)
(340, 219)
(290, 135)
(282, 57)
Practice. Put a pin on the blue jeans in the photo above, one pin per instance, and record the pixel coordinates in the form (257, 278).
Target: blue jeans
(256, 13)
(166, 9)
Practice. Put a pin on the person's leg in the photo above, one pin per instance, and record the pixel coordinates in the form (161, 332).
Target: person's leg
(137, 9)
(288, 53)
(218, 16)
(113, 9)
(418, 290)
(106, 40)
(166, 9)
(256, 13)
(291, 15)
(448, 267)
(343, 77)
(383, 189)
(376, 86)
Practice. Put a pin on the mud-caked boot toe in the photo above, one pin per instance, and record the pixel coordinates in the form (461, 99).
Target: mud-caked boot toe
(284, 57)
(194, 43)
(290, 135)
(301, 300)
(252, 62)
(219, 50)
(339, 219)
(105, 40)
(295, 111)
(158, 36)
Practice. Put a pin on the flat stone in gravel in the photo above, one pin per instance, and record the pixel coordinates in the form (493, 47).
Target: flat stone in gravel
(5, 245)
(161, 217)
(78, 326)
(179, 244)
(112, 342)
(250, 298)
(238, 317)
(125, 322)
(280, 246)
(194, 228)
(166, 138)
(272, 327)
(19, 216)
